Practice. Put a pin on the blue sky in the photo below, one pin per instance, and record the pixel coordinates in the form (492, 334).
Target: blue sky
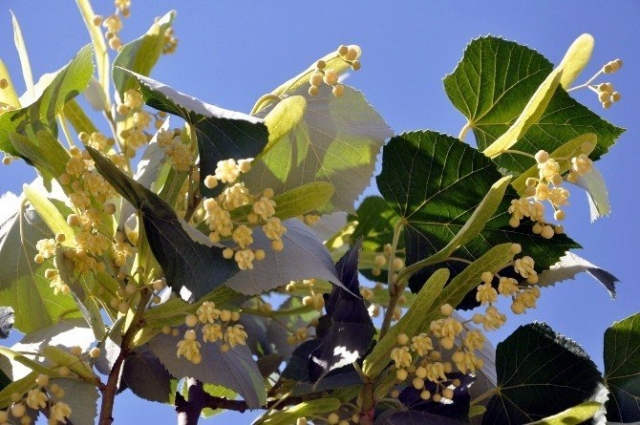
(231, 53)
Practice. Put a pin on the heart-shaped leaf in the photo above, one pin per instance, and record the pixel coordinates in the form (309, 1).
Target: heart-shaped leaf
(570, 265)
(146, 376)
(336, 140)
(540, 373)
(622, 369)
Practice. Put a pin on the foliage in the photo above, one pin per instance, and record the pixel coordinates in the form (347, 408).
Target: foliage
(179, 257)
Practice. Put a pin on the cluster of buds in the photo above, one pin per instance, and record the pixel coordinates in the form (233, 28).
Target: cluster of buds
(323, 75)
(214, 325)
(549, 187)
(113, 23)
(134, 136)
(44, 395)
(384, 260)
(235, 195)
(181, 152)
(417, 359)
(607, 94)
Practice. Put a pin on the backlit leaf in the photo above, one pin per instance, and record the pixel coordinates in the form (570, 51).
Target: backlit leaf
(570, 265)
(622, 369)
(336, 140)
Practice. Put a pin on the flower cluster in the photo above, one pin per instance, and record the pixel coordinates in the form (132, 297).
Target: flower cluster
(218, 213)
(323, 75)
(548, 186)
(113, 23)
(215, 325)
(44, 395)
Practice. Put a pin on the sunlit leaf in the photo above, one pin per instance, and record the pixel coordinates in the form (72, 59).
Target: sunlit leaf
(141, 54)
(576, 58)
(493, 83)
(570, 265)
(68, 83)
(572, 416)
(221, 134)
(540, 373)
(597, 193)
(622, 369)
(436, 183)
(234, 369)
(336, 140)
(186, 262)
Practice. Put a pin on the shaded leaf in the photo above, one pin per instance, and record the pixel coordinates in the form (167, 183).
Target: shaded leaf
(6, 321)
(456, 409)
(303, 257)
(141, 54)
(336, 140)
(436, 183)
(351, 330)
(221, 134)
(622, 369)
(234, 369)
(312, 408)
(570, 265)
(186, 262)
(146, 376)
(412, 417)
(540, 373)
(493, 83)
(81, 397)
(67, 83)
(23, 286)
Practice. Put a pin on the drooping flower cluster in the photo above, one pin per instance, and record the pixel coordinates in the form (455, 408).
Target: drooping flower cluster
(548, 186)
(323, 75)
(218, 213)
(214, 325)
(44, 395)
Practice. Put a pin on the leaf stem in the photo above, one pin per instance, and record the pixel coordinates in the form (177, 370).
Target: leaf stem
(485, 395)
(269, 97)
(463, 132)
(395, 286)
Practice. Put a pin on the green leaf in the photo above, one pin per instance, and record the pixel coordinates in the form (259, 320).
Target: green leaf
(410, 323)
(49, 213)
(622, 369)
(68, 83)
(141, 54)
(572, 416)
(22, 54)
(540, 373)
(43, 151)
(303, 257)
(221, 134)
(146, 377)
(437, 185)
(19, 386)
(491, 87)
(336, 140)
(23, 285)
(234, 369)
(284, 117)
(8, 96)
(308, 409)
(186, 262)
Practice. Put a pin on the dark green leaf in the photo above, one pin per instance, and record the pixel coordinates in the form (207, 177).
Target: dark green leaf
(141, 54)
(67, 84)
(414, 417)
(493, 83)
(540, 373)
(622, 369)
(44, 151)
(186, 262)
(435, 182)
(221, 134)
(234, 369)
(146, 376)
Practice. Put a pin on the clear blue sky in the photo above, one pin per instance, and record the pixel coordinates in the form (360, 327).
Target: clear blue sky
(231, 53)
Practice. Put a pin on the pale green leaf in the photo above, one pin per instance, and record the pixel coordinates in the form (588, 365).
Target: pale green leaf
(8, 95)
(99, 45)
(284, 117)
(573, 415)
(81, 397)
(597, 193)
(336, 141)
(410, 323)
(308, 409)
(49, 213)
(21, 47)
(576, 58)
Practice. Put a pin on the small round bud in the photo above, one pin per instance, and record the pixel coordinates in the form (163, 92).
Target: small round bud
(321, 64)
(447, 393)
(166, 330)
(547, 232)
(338, 90)
(343, 50)
(401, 374)
(316, 79)
(352, 54)
(425, 395)
(4, 83)
(402, 339)
(277, 245)
(97, 20)
(42, 380)
(616, 96)
(331, 77)
(542, 156)
(516, 248)
(95, 352)
(75, 351)
(333, 418)
(355, 65)
(191, 320)
(559, 215)
(131, 288)
(123, 307)
(63, 371)
(260, 254)
(418, 383)
(313, 91)
(18, 410)
(607, 104)
(446, 309)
